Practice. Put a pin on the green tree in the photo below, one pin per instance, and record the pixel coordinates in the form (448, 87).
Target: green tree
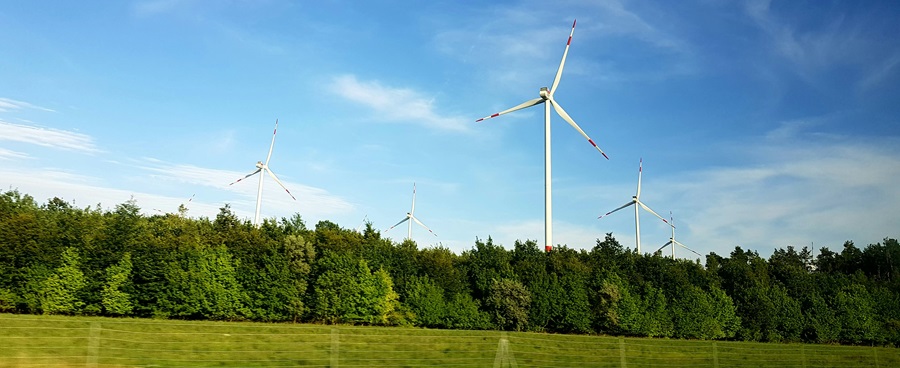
(59, 292)
(203, 284)
(856, 311)
(509, 300)
(300, 255)
(346, 290)
(426, 301)
(115, 299)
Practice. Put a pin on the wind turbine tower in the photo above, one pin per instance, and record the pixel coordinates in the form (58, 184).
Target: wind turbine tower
(264, 167)
(636, 201)
(411, 215)
(546, 97)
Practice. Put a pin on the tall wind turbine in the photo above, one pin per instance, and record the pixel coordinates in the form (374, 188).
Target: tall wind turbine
(260, 166)
(672, 240)
(546, 97)
(411, 216)
(636, 201)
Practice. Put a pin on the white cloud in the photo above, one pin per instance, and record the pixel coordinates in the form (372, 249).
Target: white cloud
(7, 105)
(616, 19)
(311, 201)
(396, 104)
(824, 193)
(6, 154)
(841, 40)
(47, 137)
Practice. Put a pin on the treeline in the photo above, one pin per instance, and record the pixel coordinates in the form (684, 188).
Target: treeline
(59, 259)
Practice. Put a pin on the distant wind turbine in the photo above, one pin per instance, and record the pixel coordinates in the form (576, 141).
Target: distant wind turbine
(672, 240)
(182, 208)
(260, 166)
(365, 218)
(411, 216)
(546, 97)
(636, 201)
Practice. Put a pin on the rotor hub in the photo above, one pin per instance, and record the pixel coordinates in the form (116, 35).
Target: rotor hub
(545, 93)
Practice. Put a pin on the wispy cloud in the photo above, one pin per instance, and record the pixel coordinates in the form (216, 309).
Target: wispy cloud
(7, 105)
(396, 104)
(6, 154)
(840, 38)
(47, 137)
(615, 19)
(311, 201)
(824, 192)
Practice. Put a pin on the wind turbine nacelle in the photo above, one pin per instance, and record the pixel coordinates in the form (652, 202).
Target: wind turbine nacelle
(259, 164)
(545, 93)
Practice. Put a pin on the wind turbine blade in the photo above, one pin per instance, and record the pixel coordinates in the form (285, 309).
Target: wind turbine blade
(192, 198)
(640, 172)
(366, 217)
(523, 105)
(663, 246)
(272, 174)
(568, 119)
(246, 176)
(654, 213)
(273, 142)
(395, 225)
(413, 210)
(562, 63)
(423, 225)
(623, 206)
(685, 247)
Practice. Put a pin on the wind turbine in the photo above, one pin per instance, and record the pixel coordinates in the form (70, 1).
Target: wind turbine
(411, 216)
(182, 208)
(636, 201)
(672, 240)
(546, 97)
(260, 166)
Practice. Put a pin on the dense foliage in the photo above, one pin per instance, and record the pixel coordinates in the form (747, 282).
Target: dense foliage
(58, 259)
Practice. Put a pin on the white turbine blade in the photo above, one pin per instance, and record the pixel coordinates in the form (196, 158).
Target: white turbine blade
(423, 225)
(272, 174)
(562, 63)
(640, 172)
(523, 105)
(395, 225)
(654, 213)
(273, 142)
(413, 210)
(568, 119)
(246, 176)
(623, 206)
(685, 247)
(663, 246)
(366, 217)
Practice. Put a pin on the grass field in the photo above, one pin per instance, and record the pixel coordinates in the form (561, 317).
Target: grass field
(53, 341)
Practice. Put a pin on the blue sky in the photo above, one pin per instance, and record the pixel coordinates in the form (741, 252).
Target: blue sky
(760, 124)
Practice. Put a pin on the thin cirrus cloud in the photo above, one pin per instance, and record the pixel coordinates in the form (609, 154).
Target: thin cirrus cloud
(47, 137)
(396, 104)
(6, 154)
(8, 104)
(315, 202)
(817, 193)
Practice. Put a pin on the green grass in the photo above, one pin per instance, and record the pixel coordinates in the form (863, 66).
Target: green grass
(54, 341)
